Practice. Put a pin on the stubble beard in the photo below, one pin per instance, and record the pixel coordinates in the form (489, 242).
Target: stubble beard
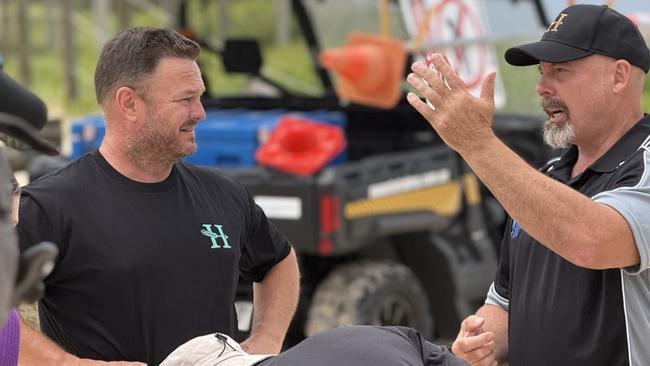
(155, 145)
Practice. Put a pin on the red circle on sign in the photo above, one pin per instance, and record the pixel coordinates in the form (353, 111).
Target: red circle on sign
(466, 18)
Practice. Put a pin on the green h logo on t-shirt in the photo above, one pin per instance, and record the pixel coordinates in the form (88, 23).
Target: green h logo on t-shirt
(207, 231)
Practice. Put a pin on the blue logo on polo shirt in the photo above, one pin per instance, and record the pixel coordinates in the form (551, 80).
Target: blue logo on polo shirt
(515, 230)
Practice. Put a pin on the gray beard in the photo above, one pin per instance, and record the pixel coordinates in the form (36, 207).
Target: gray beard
(559, 136)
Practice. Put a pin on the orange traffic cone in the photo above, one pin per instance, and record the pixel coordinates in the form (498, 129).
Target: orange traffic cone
(301, 146)
(370, 69)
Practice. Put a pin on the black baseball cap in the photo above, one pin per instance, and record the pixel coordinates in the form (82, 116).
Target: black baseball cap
(22, 115)
(583, 30)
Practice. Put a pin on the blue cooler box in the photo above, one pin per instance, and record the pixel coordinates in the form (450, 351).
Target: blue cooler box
(227, 137)
(87, 134)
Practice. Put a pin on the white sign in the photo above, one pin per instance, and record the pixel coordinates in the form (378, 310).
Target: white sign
(409, 183)
(459, 29)
(278, 207)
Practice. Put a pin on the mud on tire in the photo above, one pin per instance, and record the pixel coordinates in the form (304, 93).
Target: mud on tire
(375, 293)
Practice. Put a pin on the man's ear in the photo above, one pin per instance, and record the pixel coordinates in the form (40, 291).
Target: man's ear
(622, 74)
(126, 103)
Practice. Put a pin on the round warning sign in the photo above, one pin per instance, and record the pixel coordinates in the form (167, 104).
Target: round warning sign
(455, 28)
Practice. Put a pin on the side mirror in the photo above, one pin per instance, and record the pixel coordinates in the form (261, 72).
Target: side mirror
(242, 55)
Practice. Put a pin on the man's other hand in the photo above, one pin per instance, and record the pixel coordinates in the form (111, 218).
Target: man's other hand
(473, 344)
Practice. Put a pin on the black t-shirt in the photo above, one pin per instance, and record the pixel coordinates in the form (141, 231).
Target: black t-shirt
(143, 267)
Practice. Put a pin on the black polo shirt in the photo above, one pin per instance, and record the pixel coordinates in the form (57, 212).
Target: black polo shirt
(562, 314)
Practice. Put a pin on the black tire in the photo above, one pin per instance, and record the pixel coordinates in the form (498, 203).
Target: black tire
(372, 293)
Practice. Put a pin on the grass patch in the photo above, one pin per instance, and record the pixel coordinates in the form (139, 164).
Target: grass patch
(645, 97)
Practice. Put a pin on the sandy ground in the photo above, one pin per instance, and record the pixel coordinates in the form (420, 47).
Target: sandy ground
(29, 314)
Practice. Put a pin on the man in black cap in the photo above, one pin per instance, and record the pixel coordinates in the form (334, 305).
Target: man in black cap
(22, 114)
(573, 283)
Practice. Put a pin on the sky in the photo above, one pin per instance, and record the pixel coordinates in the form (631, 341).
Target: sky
(509, 18)
(553, 7)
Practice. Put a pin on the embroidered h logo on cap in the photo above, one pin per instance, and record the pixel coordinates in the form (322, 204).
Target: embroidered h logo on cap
(558, 21)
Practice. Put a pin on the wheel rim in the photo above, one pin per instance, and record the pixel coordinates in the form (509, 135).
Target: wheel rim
(393, 310)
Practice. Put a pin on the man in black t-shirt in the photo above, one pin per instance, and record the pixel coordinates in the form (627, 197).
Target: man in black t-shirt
(151, 247)
(572, 286)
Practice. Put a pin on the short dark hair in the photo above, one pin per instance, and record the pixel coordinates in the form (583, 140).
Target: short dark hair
(133, 54)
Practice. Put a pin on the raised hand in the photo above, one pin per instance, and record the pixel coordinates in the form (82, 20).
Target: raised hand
(462, 120)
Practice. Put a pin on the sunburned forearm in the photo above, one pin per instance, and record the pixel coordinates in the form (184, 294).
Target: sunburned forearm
(580, 230)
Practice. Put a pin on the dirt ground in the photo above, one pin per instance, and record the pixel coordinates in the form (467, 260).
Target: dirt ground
(29, 313)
